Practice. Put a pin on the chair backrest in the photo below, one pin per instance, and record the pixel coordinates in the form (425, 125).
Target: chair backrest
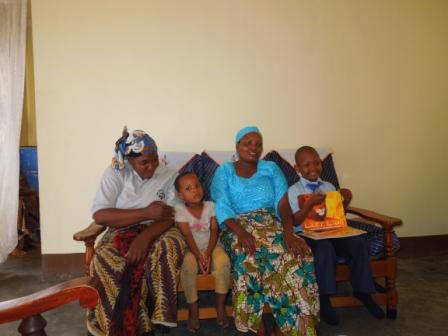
(328, 169)
(205, 164)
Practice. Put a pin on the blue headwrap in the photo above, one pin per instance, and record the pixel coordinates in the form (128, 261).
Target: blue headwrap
(131, 144)
(242, 132)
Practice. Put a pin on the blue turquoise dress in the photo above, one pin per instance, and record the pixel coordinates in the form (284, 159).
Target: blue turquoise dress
(272, 275)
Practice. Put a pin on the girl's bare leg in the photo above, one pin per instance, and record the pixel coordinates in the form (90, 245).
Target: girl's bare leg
(221, 318)
(193, 317)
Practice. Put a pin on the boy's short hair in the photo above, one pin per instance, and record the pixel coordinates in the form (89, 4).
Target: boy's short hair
(304, 149)
(179, 177)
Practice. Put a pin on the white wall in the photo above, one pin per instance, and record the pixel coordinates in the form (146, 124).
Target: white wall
(366, 78)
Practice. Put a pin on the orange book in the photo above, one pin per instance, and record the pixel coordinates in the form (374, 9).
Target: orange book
(327, 220)
(326, 216)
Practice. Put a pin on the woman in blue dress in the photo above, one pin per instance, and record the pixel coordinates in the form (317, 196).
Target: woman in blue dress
(270, 264)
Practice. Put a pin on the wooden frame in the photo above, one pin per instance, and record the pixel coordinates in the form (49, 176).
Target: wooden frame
(29, 308)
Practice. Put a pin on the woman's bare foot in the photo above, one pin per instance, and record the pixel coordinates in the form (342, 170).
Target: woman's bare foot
(17, 252)
(262, 329)
(193, 317)
(276, 330)
(221, 318)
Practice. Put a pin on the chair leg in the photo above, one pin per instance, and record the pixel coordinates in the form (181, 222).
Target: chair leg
(391, 289)
(391, 314)
(90, 250)
(392, 298)
(33, 326)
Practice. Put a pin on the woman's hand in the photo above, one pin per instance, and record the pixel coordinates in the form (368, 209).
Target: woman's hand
(138, 250)
(246, 242)
(296, 245)
(159, 211)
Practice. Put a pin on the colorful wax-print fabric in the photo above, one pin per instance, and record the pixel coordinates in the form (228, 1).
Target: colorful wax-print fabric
(158, 286)
(272, 276)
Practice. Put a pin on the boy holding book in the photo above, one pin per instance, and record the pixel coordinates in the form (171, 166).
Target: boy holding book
(325, 251)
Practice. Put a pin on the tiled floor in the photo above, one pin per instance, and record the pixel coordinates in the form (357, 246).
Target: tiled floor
(422, 310)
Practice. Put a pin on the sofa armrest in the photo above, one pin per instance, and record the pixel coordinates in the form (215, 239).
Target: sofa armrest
(387, 222)
(88, 236)
(81, 289)
(90, 233)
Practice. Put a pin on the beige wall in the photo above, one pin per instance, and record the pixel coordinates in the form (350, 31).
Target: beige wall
(366, 78)
(28, 132)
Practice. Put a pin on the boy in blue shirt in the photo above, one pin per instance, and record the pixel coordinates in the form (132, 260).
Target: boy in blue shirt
(325, 251)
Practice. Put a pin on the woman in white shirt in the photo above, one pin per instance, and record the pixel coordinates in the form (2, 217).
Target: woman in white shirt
(141, 250)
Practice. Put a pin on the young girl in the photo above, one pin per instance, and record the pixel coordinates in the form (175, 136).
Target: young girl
(196, 220)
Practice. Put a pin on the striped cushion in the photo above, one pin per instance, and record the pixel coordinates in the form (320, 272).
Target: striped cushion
(289, 171)
(204, 167)
(375, 238)
(329, 171)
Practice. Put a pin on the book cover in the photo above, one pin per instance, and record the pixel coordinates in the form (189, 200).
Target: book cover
(325, 216)
(327, 220)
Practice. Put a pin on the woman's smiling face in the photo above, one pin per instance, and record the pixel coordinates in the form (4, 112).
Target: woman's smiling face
(250, 147)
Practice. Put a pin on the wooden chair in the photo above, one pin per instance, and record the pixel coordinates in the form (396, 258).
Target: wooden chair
(384, 268)
(29, 308)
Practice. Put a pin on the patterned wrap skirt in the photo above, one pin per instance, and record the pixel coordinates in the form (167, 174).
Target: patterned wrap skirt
(157, 289)
(273, 276)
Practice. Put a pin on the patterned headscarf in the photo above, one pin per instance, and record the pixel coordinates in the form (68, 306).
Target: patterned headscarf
(133, 144)
(246, 130)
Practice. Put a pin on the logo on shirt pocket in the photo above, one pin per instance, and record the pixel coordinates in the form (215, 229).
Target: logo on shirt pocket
(161, 194)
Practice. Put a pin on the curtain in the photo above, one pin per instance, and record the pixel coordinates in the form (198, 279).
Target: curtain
(12, 71)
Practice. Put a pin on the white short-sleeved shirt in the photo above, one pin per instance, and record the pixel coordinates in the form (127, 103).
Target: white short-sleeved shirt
(199, 227)
(125, 189)
(300, 188)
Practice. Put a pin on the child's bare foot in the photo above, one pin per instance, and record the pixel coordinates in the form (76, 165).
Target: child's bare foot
(222, 320)
(193, 317)
(193, 325)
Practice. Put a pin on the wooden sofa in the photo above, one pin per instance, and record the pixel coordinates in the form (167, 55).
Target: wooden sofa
(29, 308)
(384, 267)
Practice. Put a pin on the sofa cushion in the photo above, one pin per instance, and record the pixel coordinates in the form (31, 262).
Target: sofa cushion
(204, 167)
(328, 169)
